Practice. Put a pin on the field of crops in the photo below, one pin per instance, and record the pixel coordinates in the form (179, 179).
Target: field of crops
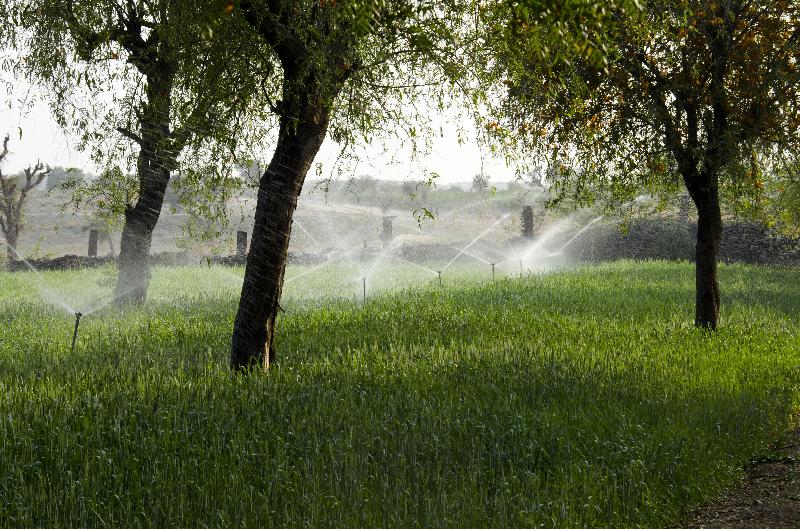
(580, 398)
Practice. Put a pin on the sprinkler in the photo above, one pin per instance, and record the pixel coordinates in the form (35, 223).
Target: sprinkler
(520, 267)
(439, 273)
(364, 282)
(493, 265)
(75, 333)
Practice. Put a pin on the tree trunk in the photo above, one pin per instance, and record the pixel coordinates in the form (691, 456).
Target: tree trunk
(278, 191)
(137, 237)
(12, 237)
(154, 163)
(709, 236)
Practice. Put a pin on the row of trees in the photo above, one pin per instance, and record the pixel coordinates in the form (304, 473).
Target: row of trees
(619, 96)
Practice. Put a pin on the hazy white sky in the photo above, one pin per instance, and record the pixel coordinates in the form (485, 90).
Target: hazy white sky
(454, 162)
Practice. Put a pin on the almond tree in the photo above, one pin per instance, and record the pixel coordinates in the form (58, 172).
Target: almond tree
(349, 68)
(14, 193)
(144, 84)
(700, 94)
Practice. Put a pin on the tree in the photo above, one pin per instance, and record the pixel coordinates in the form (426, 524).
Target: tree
(14, 195)
(356, 186)
(480, 182)
(144, 83)
(62, 178)
(342, 65)
(693, 93)
(387, 197)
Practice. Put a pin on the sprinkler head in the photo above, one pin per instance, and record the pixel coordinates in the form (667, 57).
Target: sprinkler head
(78, 316)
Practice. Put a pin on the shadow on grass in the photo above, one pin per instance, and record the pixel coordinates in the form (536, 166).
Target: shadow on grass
(374, 441)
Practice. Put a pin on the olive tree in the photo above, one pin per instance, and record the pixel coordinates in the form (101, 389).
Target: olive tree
(685, 93)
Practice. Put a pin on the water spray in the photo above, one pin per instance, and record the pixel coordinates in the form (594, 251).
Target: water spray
(580, 232)
(412, 263)
(75, 332)
(46, 292)
(484, 232)
(477, 258)
(308, 233)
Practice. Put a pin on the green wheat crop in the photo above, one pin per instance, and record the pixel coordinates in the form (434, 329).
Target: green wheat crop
(580, 398)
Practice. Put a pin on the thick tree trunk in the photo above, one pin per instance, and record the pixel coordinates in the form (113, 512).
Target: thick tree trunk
(137, 236)
(709, 236)
(278, 191)
(156, 158)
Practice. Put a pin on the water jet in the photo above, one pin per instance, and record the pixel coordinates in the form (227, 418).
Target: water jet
(412, 263)
(46, 292)
(484, 232)
(580, 232)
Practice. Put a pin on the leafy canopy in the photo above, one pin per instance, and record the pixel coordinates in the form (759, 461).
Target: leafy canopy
(685, 85)
(115, 69)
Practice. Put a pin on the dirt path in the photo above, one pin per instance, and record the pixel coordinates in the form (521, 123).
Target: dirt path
(769, 497)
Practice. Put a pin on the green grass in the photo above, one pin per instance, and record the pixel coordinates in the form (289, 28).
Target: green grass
(577, 399)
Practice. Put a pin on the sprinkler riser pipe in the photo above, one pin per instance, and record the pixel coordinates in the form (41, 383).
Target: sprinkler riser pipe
(75, 332)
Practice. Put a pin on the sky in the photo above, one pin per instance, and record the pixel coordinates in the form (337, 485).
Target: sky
(452, 161)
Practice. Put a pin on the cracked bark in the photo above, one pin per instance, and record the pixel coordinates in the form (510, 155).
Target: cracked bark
(253, 342)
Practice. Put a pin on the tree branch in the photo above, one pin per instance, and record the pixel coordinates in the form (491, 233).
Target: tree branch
(5, 150)
(33, 177)
(290, 48)
(131, 135)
